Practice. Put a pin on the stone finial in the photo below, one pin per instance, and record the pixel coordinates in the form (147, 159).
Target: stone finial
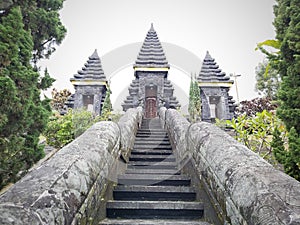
(152, 28)
(95, 55)
(208, 56)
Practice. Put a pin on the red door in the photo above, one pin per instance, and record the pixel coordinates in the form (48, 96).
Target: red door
(150, 108)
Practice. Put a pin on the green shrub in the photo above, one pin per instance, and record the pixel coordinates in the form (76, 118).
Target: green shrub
(62, 130)
(257, 133)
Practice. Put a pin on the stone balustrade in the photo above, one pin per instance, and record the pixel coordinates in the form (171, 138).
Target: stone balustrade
(247, 189)
(72, 186)
(128, 125)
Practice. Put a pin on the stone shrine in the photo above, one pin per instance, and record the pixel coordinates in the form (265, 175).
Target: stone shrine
(90, 85)
(151, 88)
(214, 86)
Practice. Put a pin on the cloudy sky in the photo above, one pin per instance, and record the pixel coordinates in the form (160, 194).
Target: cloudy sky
(228, 29)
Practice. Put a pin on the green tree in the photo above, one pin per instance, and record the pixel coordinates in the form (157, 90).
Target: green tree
(107, 106)
(287, 63)
(267, 80)
(191, 98)
(292, 162)
(287, 24)
(277, 145)
(194, 101)
(23, 114)
(41, 19)
(197, 100)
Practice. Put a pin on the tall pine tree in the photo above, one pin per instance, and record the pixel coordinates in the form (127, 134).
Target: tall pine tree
(287, 24)
(23, 115)
(191, 107)
(107, 106)
(41, 19)
(197, 100)
(194, 101)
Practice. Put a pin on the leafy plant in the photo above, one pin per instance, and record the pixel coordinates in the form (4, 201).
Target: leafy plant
(63, 129)
(256, 132)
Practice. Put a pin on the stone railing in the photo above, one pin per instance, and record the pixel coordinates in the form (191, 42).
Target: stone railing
(129, 124)
(247, 189)
(72, 186)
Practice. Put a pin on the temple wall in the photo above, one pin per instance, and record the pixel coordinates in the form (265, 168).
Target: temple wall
(244, 187)
(73, 185)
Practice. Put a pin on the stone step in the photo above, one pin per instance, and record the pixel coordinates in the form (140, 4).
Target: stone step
(155, 128)
(153, 132)
(151, 135)
(151, 222)
(151, 152)
(155, 147)
(152, 171)
(154, 210)
(151, 142)
(152, 165)
(154, 193)
(151, 126)
(152, 145)
(156, 131)
(154, 180)
(163, 138)
(152, 158)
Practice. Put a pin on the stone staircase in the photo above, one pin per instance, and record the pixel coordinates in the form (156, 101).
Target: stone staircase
(153, 190)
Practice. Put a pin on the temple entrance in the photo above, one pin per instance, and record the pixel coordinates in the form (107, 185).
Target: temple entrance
(88, 102)
(215, 107)
(150, 101)
(150, 109)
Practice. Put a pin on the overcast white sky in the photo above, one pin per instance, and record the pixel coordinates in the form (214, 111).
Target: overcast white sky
(228, 29)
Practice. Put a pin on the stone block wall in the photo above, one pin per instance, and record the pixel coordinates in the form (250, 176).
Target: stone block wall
(71, 187)
(247, 188)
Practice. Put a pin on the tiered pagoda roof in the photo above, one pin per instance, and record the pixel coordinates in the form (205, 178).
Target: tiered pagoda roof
(151, 54)
(211, 73)
(91, 71)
